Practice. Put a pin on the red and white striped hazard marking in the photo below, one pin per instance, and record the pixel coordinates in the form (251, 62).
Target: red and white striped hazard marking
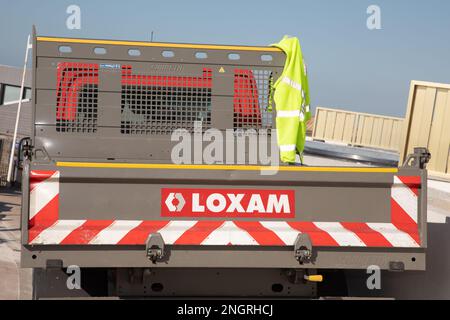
(46, 228)
(44, 202)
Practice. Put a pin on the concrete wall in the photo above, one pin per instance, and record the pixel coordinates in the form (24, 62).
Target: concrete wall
(8, 112)
(8, 119)
(13, 76)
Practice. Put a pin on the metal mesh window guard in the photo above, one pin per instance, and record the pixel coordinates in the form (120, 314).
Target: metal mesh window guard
(77, 97)
(252, 99)
(161, 104)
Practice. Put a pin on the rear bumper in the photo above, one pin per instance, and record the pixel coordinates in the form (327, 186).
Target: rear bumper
(220, 257)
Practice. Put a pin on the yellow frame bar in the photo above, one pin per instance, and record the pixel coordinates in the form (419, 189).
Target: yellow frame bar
(158, 44)
(220, 167)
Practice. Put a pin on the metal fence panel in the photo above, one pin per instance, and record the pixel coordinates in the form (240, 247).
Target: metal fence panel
(428, 124)
(359, 129)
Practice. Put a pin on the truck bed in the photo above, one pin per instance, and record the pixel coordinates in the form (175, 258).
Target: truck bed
(101, 191)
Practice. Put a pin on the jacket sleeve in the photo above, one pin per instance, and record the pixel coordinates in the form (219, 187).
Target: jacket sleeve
(305, 86)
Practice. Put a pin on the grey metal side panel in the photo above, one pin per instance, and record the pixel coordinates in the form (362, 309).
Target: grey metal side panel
(154, 54)
(25, 206)
(350, 197)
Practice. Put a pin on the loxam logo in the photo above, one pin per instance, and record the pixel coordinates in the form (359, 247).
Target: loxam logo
(227, 203)
(180, 202)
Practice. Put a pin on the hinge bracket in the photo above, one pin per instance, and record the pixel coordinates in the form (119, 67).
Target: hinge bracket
(154, 247)
(418, 159)
(303, 248)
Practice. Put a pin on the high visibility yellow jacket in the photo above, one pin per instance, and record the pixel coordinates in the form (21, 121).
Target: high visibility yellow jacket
(291, 98)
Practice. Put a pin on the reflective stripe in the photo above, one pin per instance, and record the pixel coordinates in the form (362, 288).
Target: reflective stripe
(307, 108)
(341, 235)
(292, 83)
(283, 230)
(57, 232)
(405, 197)
(43, 192)
(288, 114)
(291, 114)
(287, 147)
(175, 229)
(113, 233)
(161, 166)
(157, 44)
(395, 236)
(229, 233)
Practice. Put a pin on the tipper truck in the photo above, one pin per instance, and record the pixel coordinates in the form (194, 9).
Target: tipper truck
(103, 197)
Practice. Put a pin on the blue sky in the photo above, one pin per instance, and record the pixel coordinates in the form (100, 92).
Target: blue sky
(350, 67)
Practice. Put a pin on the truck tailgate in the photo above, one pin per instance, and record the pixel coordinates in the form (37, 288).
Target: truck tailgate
(120, 204)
